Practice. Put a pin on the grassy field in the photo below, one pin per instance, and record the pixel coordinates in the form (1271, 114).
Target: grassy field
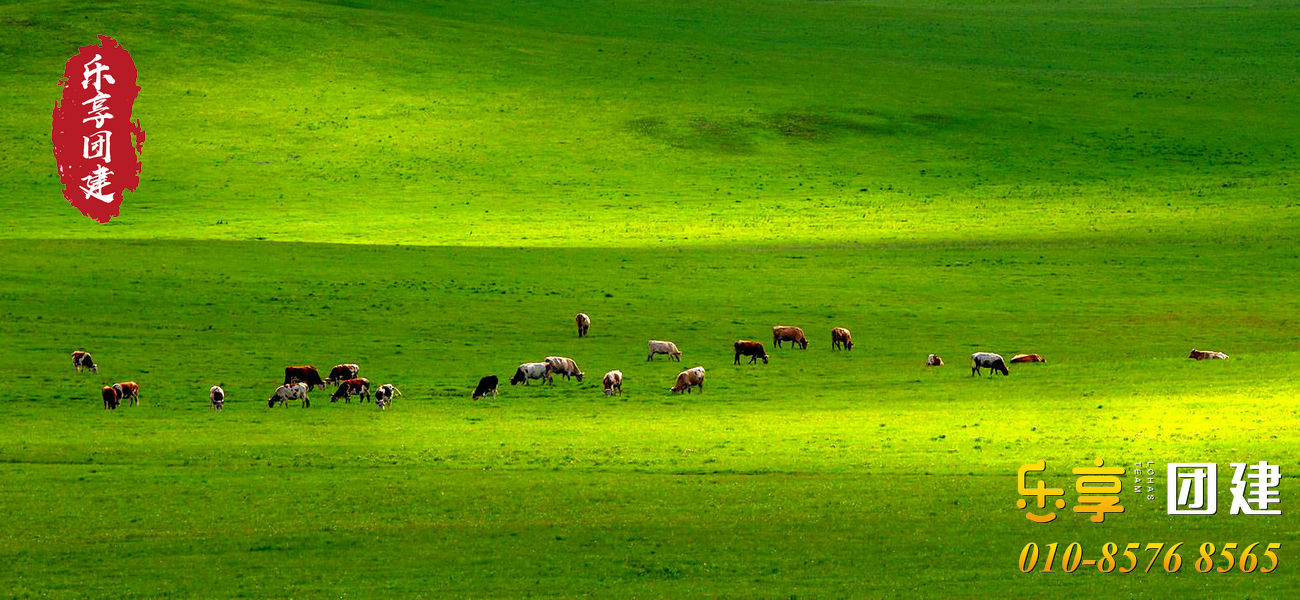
(433, 191)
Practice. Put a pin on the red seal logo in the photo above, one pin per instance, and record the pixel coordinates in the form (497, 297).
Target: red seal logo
(95, 143)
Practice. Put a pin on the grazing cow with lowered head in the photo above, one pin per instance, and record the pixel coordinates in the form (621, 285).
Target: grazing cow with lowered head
(687, 379)
(305, 374)
(343, 371)
(290, 391)
(128, 390)
(111, 397)
(348, 388)
(584, 323)
(754, 350)
(486, 385)
(1207, 355)
(385, 393)
(529, 371)
(662, 347)
(564, 366)
(840, 337)
(785, 333)
(613, 382)
(217, 396)
(934, 361)
(81, 360)
(988, 360)
(1028, 358)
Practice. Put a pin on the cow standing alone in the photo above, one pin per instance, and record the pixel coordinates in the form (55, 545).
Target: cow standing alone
(486, 385)
(662, 347)
(217, 397)
(82, 360)
(290, 391)
(564, 366)
(840, 337)
(584, 323)
(988, 360)
(785, 333)
(687, 379)
(1207, 355)
(754, 350)
(613, 382)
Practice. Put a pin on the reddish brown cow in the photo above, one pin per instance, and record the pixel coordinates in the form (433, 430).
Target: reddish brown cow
(785, 333)
(1028, 358)
(934, 361)
(352, 387)
(306, 374)
(343, 371)
(841, 337)
(111, 398)
(752, 349)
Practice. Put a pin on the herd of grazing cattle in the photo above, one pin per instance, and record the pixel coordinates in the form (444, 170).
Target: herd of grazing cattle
(300, 380)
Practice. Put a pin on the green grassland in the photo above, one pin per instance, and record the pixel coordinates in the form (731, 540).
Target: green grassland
(432, 190)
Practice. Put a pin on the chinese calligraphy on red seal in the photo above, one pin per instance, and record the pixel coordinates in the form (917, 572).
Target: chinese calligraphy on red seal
(96, 145)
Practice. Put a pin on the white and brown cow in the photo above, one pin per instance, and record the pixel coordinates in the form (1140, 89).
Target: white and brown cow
(1027, 358)
(128, 390)
(786, 333)
(584, 323)
(348, 388)
(82, 360)
(342, 372)
(613, 382)
(663, 347)
(693, 377)
(290, 391)
(564, 366)
(1207, 355)
(529, 371)
(217, 397)
(934, 361)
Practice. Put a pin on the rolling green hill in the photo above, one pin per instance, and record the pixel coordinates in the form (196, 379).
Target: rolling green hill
(432, 190)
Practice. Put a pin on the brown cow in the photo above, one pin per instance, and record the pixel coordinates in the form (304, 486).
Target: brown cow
(350, 387)
(584, 322)
(1028, 358)
(785, 333)
(128, 390)
(111, 398)
(752, 349)
(306, 374)
(934, 361)
(81, 360)
(1207, 355)
(841, 337)
(343, 371)
(688, 379)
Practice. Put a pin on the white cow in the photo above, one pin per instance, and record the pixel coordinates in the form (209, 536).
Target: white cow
(662, 347)
(290, 391)
(530, 371)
